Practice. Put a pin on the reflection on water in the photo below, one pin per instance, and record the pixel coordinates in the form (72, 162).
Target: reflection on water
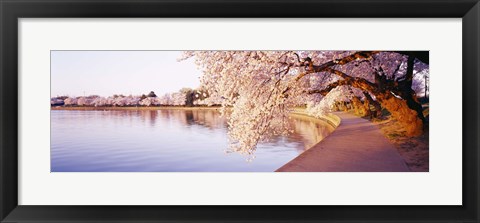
(165, 141)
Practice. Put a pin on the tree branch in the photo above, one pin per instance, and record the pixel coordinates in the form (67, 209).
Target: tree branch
(329, 87)
(356, 82)
(420, 55)
(322, 68)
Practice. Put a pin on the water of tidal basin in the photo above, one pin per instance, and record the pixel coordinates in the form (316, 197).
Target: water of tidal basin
(165, 141)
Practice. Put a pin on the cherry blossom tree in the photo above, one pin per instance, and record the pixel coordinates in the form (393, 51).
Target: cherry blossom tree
(70, 101)
(261, 87)
(208, 101)
(149, 101)
(132, 100)
(178, 98)
(165, 100)
(99, 102)
(119, 101)
(81, 101)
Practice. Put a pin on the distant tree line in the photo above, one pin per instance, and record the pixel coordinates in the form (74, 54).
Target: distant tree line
(184, 97)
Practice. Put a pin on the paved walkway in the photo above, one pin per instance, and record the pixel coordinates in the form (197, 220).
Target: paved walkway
(356, 145)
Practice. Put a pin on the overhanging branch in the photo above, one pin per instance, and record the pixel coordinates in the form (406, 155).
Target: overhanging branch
(329, 87)
(356, 82)
(324, 67)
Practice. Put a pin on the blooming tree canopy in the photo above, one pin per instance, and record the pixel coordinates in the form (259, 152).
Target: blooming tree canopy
(262, 87)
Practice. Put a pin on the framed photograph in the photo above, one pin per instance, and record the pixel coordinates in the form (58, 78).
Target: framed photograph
(227, 111)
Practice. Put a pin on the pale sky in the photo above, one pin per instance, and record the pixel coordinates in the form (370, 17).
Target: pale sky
(104, 73)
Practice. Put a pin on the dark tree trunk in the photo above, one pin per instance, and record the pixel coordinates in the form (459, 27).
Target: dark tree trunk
(368, 112)
(358, 106)
(406, 92)
(345, 106)
(399, 109)
(377, 111)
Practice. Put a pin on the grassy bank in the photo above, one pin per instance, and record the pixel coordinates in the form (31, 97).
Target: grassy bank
(415, 150)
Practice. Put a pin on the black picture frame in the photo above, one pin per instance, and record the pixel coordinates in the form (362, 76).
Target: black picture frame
(12, 10)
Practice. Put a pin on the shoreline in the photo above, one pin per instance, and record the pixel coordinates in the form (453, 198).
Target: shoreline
(391, 132)
(372, 151)
(330, 118)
